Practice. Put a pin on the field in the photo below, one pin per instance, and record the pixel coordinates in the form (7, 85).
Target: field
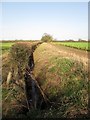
(6, 46)
(78, 45)
(60, 71)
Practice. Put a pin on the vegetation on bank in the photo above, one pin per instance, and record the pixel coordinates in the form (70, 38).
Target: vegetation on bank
(6, 45)
(13, 93)
(63, 80)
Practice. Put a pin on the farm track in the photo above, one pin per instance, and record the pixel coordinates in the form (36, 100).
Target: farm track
(76, 54)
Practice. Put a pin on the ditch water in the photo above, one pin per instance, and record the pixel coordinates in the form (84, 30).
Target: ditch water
(34, 94)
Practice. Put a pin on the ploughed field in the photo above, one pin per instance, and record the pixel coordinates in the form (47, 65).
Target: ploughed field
(60, 74)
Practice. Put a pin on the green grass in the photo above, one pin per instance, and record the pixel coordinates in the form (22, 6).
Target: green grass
(5, 46)
(78, 45)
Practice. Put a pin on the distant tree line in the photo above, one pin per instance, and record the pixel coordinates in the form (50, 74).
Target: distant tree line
(70, 40)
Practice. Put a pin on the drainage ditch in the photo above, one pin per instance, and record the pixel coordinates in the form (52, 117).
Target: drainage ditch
(28, 93)
(35, 97)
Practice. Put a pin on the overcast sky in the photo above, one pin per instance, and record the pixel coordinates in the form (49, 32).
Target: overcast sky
(30, 20)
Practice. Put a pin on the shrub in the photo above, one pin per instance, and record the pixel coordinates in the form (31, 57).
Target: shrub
(20, 53)
(47, 38)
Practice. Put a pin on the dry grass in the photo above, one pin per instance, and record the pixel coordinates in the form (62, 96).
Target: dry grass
(62, 78)
(14, 99)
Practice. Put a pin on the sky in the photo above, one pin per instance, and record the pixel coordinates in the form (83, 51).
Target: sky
(30, 20)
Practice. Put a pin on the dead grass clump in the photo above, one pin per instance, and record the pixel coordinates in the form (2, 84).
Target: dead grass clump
(20, 53)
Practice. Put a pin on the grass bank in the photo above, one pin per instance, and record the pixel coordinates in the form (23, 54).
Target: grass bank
(64, 81)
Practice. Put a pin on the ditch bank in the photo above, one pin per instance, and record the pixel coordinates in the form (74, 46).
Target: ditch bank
(64, 80)
(23, 90)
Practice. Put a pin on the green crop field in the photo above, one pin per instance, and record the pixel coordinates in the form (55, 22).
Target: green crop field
(78, 45)
(5, 46)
